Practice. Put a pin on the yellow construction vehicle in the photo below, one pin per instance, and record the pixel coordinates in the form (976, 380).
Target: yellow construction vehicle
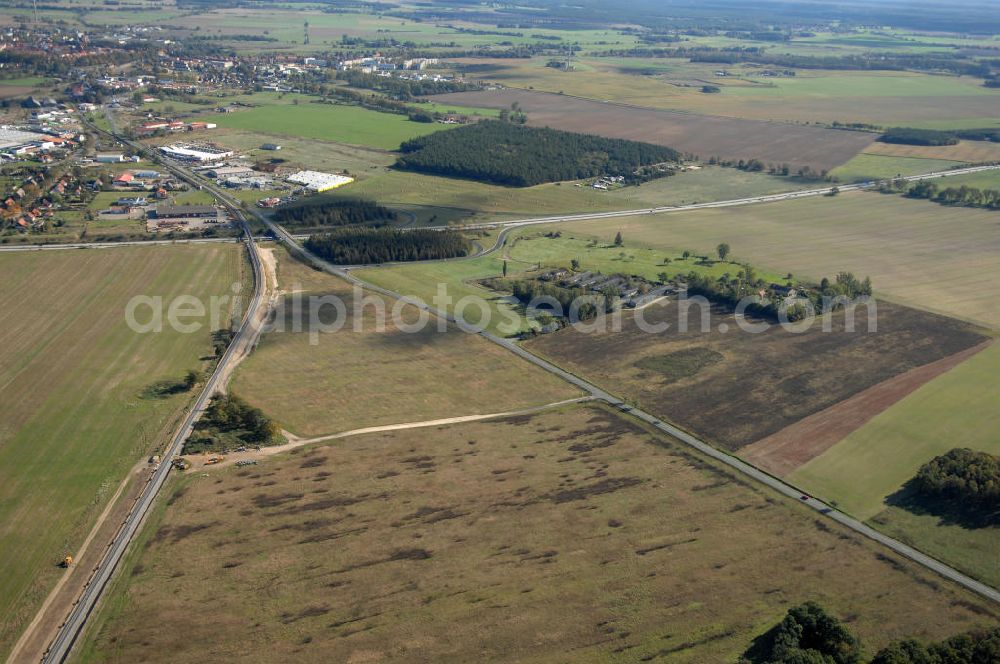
(214, 460)
(66, 562)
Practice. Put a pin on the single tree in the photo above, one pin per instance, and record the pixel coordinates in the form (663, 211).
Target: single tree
(723, 251)
(618, 239)
(574, 265)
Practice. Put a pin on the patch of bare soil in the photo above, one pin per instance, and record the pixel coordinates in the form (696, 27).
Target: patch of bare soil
(783, 452)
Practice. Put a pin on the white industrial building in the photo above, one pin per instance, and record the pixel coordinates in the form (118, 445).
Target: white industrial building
(317, 181)
(192, 153)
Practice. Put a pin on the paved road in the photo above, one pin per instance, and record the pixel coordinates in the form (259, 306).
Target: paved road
(509, 225)
(241, 345)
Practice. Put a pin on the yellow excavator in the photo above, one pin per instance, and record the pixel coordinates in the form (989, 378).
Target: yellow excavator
(66, 562)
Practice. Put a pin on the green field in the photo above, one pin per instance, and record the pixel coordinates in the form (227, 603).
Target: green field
(484, 202)
(75, 384)
(527, 251)
(572, 535)
(599, 254)
(957, 409)
(350, 379)
(880, 167)
(937, 258)
(328, 122)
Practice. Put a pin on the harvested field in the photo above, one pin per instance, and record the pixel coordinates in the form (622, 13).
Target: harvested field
(704, 135)
(765, 381)
(86, 397)
(571, 535)
(783, 452)
(967, 151)
(364, 377)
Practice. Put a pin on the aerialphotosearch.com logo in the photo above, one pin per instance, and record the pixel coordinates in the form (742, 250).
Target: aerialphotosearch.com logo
(319, 315)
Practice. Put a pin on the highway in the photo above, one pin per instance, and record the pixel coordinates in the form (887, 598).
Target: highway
(246, 337)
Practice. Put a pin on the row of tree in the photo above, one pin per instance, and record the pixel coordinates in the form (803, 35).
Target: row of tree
(515, 155)
(367, 246)
(758, 166)
(334, 212)
(963, 475)
(963, 196)
(810, 635)
(770, 300)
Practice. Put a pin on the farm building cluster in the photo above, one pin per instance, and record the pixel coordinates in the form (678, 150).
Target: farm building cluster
(163, 126)
(633, 291)
(161, 216)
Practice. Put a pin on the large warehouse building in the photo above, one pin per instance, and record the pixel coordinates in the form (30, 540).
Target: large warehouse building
(317, 181)
(194, 153)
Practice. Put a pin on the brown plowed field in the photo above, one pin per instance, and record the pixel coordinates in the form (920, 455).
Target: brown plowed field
(793, 446)
(703, 135)
(733, 388)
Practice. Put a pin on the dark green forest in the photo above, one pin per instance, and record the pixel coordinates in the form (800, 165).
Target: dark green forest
(515, 155)
(963, 475)
(366, 246)
(335, 212)
(908, 136)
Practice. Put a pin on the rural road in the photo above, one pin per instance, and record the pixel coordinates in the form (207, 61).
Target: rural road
(246, 337)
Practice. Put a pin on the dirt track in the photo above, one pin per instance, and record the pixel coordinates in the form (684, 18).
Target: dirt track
(783, 452)
(703, 135)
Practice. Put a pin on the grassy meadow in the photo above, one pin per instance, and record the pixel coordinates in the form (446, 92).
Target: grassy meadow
(572, 535)
(868, 166)
(80, 394)
(351, 379)
(329, 122)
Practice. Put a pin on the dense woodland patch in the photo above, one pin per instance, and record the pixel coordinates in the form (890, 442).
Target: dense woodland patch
(231, 422)
(964, 475)
(936, 137)
(366, 246)
(339, 212)
(515, 155)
